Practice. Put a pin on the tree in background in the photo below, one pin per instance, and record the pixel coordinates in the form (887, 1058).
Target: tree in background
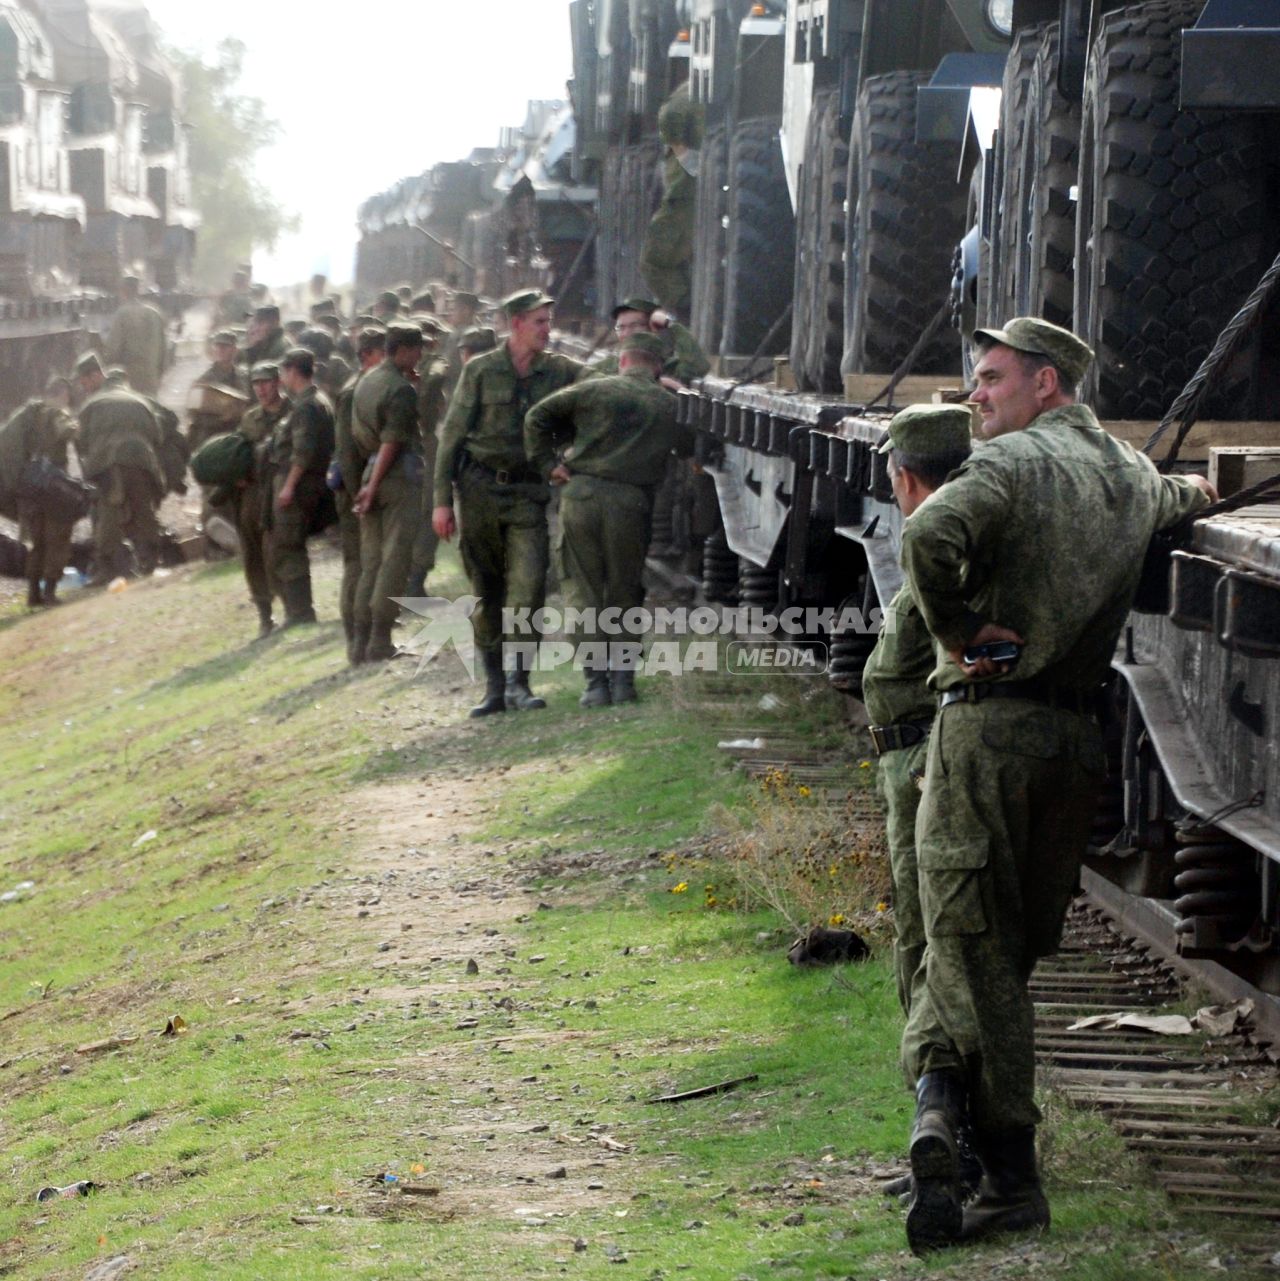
(228, 130)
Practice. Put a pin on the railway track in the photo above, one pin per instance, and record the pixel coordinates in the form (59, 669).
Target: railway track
(1198, 1110)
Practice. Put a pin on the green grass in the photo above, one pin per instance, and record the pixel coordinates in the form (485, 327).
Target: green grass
(325, 1049)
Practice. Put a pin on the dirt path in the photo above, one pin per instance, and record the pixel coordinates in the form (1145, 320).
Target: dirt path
(436, 909)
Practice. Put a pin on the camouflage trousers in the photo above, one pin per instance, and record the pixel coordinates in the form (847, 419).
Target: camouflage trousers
(503, 541)
(425, 542)
(1010, 791)
(349, 530)
(255, 551)
(896, 775)
(600, 549)
(290, 526)
(50, 540)
(126, 508)
(387, 531)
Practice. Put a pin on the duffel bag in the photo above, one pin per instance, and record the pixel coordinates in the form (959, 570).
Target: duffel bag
(223, 460)
(55, 491)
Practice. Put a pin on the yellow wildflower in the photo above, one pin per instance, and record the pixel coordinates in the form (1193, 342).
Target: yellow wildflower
(680, 889)
(837, 918)
(804, 791)
(882, 906)
(864, 764)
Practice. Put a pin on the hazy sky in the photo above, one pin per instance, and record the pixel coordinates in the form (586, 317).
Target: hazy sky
(367, 93)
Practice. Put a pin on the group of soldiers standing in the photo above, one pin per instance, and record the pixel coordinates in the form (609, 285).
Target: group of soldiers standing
(435, 430)
(130, 448)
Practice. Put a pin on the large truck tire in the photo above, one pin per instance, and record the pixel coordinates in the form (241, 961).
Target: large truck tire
(630, 190)
(1172, 226)
(1012, 184)
(706, 318)
(1051, 148)
(817, 332)
(760, 238)
(904, 222)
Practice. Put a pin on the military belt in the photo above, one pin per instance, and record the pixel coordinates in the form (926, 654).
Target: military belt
(511, 476)
(1082, 701)
(902, 734)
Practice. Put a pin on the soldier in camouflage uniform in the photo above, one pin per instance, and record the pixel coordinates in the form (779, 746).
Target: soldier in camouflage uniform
(236, 303)
(42, 428)
(666, 258)
(1015, 757)
(223, 372)
(384, 425)
(351, 460)
(683, 360)
(621, 429)
(464, 312)
(502, 500)
(925, 443)
(253, 494)
(300, 449)
(433, 400)
(137, 339)
(119, 447)
(266, 337)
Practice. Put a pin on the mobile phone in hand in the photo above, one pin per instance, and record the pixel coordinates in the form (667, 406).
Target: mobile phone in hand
(1006, 652)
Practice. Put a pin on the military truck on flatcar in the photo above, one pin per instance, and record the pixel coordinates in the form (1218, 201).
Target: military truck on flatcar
(949, 162)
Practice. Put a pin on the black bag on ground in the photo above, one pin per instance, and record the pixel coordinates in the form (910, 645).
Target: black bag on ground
(13, 557)
(223, 460)
(54, 490)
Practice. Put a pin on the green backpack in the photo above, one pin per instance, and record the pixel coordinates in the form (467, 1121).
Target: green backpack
(223, 460)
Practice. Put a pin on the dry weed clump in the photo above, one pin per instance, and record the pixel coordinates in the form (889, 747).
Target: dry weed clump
(811, 859)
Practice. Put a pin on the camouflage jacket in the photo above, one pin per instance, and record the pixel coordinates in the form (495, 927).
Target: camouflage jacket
(895, 679)
(351, 458)
(303, 437)
(384, 410)
(486, 414)
(685, 359)
(35, 430)
(1044, 531)
(433, 382)
(118, 429)
(137, 341)
(620, 428)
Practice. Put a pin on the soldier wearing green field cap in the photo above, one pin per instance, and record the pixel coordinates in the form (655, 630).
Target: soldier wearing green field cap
(621, 431)
(682, 359)
(384, 425)
(923, 445)
(502, 501)
(1035, 543)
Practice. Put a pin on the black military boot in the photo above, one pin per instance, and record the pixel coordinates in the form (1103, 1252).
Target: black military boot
(622, 685)
(970, 1170)
(34, 598)
(520, 698)
(1010, 1198)
(266, 624)
(416, 587)
(50, 594)
(494, 682)
(380, 646)
(297, 602)
(597, 692)
(934, 1217)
